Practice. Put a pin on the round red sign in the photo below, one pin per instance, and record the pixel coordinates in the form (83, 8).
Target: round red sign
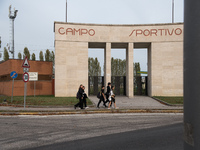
(25, 77)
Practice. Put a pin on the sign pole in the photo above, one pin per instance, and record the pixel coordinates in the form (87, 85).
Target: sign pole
(12, 91)
(25, 77)
(24, 95)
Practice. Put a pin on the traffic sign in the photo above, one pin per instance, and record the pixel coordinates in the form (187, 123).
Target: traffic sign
(13, 74)
(33, 76)
(26, 69)
(25, 77)
(26, 63)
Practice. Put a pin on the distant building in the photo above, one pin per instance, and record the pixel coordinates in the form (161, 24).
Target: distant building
(44, 85)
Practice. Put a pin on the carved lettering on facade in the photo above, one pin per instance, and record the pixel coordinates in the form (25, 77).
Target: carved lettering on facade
(156, 32)
(73, 31)
(136, 32)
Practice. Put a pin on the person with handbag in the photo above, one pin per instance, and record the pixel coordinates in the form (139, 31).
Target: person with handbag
(80, 97)
(108, 92)
(101, 97)
(84, 98)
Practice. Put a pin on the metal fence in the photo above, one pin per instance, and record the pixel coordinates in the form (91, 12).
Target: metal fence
(95, 83)
(120, 84)
(140, 84)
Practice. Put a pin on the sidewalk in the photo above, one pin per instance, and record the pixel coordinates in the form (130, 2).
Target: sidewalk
(138, 104)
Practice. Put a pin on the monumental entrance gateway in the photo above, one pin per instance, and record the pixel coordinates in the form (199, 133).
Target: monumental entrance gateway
(165, 55)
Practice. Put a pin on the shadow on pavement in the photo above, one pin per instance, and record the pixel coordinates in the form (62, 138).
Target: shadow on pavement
(158, 138)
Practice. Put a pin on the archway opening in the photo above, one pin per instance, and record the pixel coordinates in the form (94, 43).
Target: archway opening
(95, 67)
(141, 68)
(118, 70)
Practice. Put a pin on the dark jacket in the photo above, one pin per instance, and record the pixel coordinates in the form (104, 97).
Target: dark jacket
(80, 92)
(102, 94)
(84, 95)
(108, 90)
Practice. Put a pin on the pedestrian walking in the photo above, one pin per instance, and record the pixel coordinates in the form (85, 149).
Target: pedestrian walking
(102, 97)
(84, 98)
(112, 98)
(108, 92)
(80, 97)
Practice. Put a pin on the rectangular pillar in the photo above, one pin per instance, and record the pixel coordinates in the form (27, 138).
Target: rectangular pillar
(107, 64)
(71, 67)
(129, 71)
(149, 71)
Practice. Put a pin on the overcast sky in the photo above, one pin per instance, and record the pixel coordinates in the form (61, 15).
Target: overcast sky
(35, 20)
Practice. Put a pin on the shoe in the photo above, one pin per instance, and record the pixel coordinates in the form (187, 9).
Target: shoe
(86, 107)
(98, 107)
(117, 108)
(74, 107)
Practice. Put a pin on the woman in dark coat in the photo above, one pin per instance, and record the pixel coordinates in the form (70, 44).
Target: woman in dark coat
(84, 98)
(80, 96)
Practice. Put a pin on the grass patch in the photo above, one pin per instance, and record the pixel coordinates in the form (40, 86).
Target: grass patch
(42, 100)
(171, 100)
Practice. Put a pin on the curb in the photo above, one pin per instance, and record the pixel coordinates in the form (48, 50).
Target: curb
(165, 103)
(37, 106)
(89, 112)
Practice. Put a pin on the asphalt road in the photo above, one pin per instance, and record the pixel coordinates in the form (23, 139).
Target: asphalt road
(95, 131)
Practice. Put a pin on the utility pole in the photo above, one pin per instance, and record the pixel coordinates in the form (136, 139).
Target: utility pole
(172, 11)
(12, 16)
(191, 75)
(0, 47)
(66, 10)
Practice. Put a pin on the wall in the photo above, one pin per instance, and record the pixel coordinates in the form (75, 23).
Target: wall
(167, 69)
(43, 85)
(71, 67)
(42, 67)
(41, 88)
